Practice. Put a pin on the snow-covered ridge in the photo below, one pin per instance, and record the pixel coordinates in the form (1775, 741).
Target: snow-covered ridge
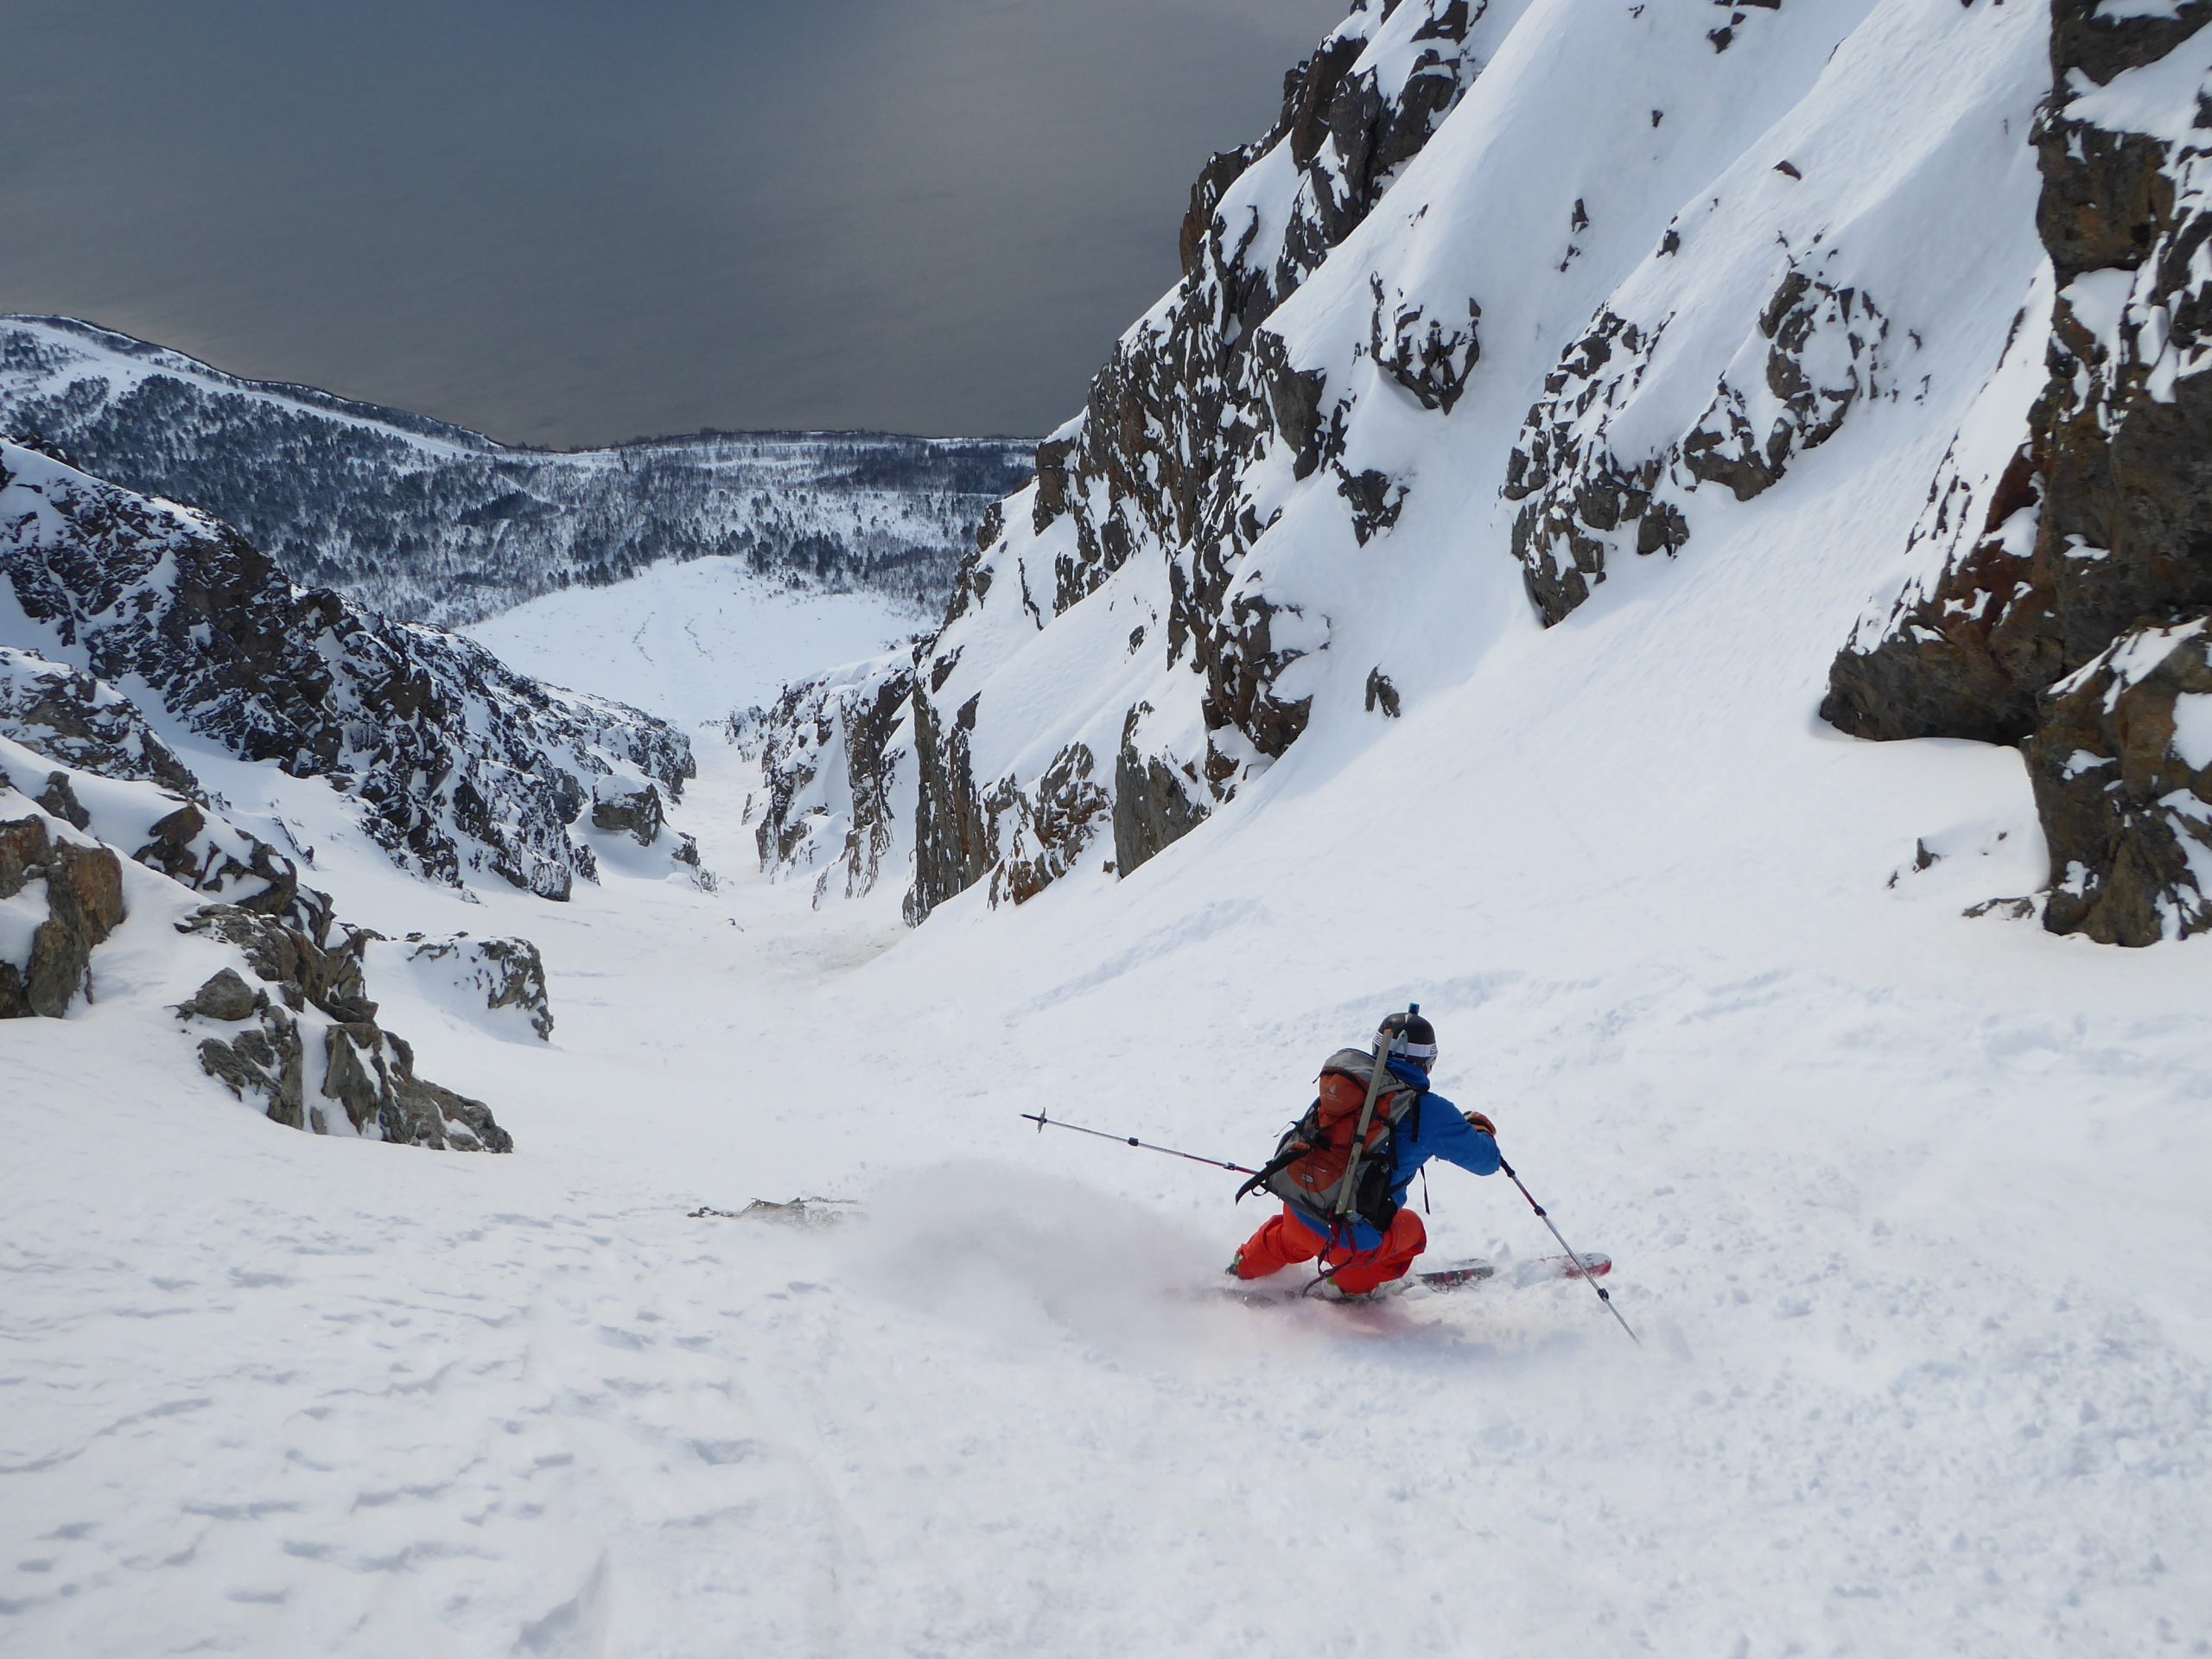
(458, 764)
(430, 521)
(1518, 297)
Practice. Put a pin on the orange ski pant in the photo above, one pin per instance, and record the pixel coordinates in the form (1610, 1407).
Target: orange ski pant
(1283, 1241)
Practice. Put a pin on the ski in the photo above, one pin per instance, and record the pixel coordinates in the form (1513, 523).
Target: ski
(1591, 1264)
(1428, 1281)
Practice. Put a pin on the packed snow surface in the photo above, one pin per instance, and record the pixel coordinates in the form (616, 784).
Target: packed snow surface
(692, 643)
(1906, 1208)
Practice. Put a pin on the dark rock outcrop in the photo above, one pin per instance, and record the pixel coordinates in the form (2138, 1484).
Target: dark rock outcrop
(1158, 467)
(1156, 803)
(2121, 760)
(1048, 827)
(2095, 540)
(1419, 351)
(171, 825)
(636, 813)
(82, 893)
(315, 991)
(73, 718)
(1583, 503)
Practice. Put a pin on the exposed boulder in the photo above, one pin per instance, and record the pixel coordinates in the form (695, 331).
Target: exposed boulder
(69, 897)
(621, 809)
(315, 995)
(226, 997)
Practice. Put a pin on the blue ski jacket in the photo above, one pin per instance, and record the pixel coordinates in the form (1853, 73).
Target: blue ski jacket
(1442, 1132)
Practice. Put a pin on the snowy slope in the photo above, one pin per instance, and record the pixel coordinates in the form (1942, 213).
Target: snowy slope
(692, 643)
(1881, 1186)
(429, 522)
(1907, 1207)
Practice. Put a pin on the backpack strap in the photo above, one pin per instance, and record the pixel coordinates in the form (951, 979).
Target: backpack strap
(1274, 1166)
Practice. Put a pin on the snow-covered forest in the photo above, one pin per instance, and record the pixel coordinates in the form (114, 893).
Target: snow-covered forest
(1672, 536)
(431, 523)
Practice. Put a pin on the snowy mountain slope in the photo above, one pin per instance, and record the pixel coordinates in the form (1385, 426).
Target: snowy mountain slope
(1908, 1209)
(1650, 267)
(456, 764)
(692, 643)
(429, 521)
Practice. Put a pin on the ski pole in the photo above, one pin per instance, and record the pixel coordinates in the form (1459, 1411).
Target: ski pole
(1044, 1122)
(1542, 1215)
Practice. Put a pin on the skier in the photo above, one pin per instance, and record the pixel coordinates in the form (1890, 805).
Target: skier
(1351, 1213)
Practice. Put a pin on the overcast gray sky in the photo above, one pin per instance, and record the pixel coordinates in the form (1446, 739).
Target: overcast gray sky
(570, 221)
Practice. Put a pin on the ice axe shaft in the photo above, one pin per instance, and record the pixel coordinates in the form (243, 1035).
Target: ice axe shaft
(1044, 1122)
(1603, 1295)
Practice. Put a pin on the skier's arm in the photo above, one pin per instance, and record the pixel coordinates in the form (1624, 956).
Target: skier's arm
(1448, 1135)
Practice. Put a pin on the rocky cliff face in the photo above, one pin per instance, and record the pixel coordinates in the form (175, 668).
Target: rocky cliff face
(2065, 582)
(1174, 472)
(431, 523)
(1589, 492)
(102, 829)
(1568, 283)
(458, 765)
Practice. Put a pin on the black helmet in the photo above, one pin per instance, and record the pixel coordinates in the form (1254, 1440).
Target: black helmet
(1407, 1036)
